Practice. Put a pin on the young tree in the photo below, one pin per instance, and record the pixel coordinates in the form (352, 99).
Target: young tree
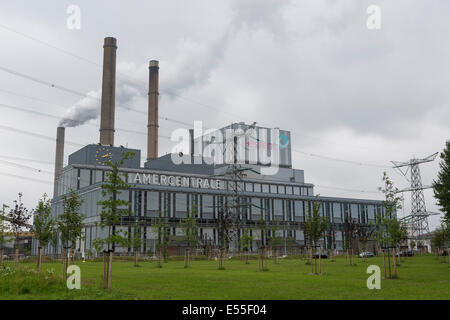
(274, 240)
(18, 218)
(315, 226)
(440, 238)
(70, 225)
(262, 226)
(441, 186)
(43, 226)
(3, 229)
(159, 227)
(389, 231)
(350, 234)
(190, 232)
(412, 244)
(135, 242)
(364, 234)
(113, 209)
(246, 243)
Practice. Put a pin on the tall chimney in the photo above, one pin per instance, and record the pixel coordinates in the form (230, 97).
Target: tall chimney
(191, 142)
(59, 156)
(153, 96)
(108, 92)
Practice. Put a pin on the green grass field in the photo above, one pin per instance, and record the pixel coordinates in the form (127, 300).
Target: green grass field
(420, 277)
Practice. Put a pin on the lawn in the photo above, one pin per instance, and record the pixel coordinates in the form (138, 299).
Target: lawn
(420, 277)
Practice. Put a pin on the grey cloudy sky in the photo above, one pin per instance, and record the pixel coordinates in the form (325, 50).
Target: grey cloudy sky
(311, 67)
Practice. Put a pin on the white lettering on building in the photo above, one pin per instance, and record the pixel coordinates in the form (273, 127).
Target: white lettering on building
(177, 181)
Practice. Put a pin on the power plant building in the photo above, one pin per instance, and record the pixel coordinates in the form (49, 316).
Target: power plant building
(162, 188)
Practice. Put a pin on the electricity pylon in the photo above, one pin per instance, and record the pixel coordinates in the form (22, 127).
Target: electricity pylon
(417, 221)
(230, 210)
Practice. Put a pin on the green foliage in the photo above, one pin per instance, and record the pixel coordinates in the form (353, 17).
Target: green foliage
(43, 224)
(274, 238)
(112, 207)
(135, 238)
(389, 231)
(189, 227)
(441, 186)
(18, 219)
(440, 236)
(246, 240)
(159, 227)
(422, 279)
(70, 222)
(315, 225)
(3, 226)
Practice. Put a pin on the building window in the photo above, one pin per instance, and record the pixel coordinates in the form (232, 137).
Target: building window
(248, 187)
(207, 207)
(297, 191)
(273, 188)
(181, 205)
(257, 187)
(289, 190)
(265, 188)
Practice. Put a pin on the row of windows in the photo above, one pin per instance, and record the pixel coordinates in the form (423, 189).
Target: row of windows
(81, 178)
(168, 204)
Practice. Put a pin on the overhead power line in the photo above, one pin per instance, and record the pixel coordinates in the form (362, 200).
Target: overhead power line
(25, 178)
(221, 110)
(14, 164)
(26, 159)
(162, 90)
(38, 135)
(60, 118)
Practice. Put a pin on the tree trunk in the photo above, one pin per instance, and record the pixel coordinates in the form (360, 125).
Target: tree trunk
(394, 261)
(320, 260)
(1, 256)
(348, 258)
(68, 256)
(63, 258)
(186, 258)
(384, 263)
(39, 259)
(389, 263)
(16, 257)
(105, 271)
(135, 258)
(311, 259)
(246, 257)
(110, 269)
(352, 258)
(159, 257)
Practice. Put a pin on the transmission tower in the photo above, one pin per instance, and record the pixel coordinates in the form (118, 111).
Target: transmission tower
(230, 210)
(417, 221)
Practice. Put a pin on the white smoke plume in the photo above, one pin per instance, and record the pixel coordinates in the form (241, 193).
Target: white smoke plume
(192, 67)
(82, 111)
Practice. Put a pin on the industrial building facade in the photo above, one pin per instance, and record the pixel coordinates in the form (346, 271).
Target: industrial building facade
(162, 188)
(173, 194)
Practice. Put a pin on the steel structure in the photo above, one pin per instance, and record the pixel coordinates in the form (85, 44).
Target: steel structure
(417, 221)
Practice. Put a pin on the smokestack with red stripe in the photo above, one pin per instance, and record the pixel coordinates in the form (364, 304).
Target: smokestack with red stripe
(153, 96)
(108, 92)
(59, 157)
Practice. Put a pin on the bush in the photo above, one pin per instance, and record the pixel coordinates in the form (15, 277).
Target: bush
(27, 281)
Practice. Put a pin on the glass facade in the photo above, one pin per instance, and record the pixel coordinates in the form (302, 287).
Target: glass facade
(286, 204)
